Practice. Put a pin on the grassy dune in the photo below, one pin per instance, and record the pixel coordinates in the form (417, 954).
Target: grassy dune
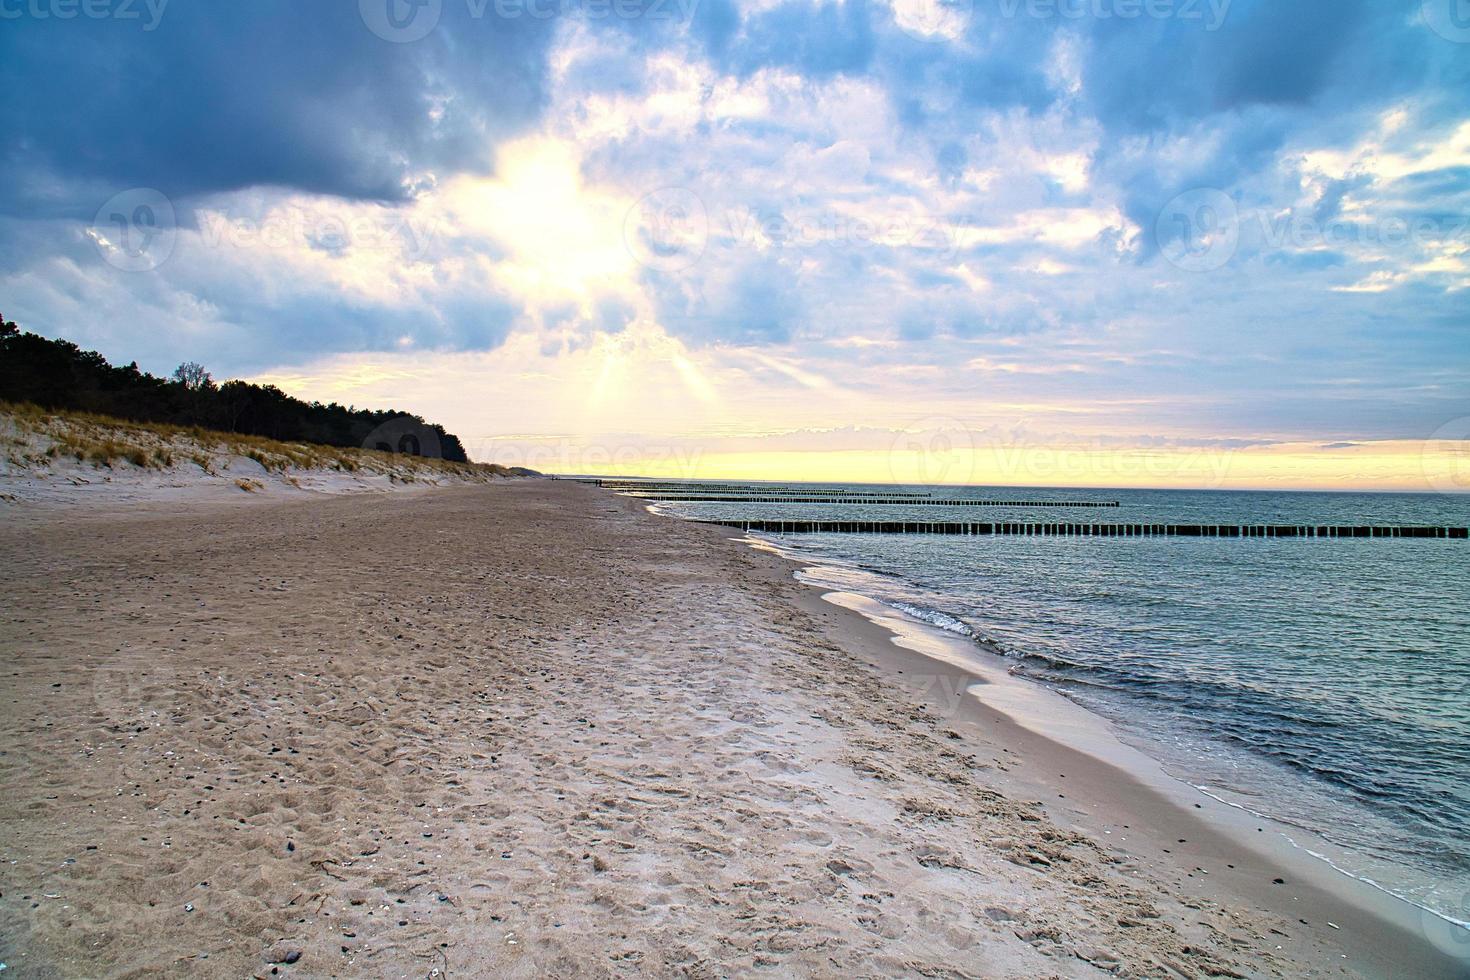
(36, 440)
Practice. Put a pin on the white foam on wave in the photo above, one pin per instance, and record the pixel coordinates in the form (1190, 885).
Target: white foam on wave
(943, 620)
(830, 572)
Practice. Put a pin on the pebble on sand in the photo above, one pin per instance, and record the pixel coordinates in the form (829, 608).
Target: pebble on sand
(282, 953)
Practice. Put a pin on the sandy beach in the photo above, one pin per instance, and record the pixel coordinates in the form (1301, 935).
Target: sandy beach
(529, 729)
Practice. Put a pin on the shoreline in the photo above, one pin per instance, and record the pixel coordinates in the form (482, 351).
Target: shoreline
(530, 728)
(1137, 752)
(1369, 922)
(1382, 933)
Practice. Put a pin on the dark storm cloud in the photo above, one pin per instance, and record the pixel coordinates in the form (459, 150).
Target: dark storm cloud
(219, 97)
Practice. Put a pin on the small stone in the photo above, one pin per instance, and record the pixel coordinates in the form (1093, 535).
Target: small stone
(282, 953)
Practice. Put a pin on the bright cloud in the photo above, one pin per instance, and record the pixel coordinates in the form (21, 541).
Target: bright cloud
(824, 217)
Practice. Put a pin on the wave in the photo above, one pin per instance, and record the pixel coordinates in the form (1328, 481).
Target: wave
(934, 617)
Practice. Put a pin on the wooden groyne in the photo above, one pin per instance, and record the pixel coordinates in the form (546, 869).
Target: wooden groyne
(876, 501)
(977, 529)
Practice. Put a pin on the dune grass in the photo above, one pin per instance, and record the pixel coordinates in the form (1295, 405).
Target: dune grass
(37, 438)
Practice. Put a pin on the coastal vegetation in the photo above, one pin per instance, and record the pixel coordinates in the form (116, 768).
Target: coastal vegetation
(36, 438)
(60, 376)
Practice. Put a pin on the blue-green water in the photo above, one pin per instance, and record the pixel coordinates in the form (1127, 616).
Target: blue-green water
(1323, 682)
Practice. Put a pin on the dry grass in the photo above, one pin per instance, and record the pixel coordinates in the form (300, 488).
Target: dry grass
(39, 438)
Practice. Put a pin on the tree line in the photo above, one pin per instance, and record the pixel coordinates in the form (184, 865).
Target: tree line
(59, 375)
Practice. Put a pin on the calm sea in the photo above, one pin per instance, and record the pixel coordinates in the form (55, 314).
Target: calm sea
(1325, 683)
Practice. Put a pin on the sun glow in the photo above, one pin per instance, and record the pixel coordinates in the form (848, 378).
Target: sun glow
(641, 403)
(563, 240)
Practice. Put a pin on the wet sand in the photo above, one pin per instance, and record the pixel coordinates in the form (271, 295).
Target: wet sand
(530, 729)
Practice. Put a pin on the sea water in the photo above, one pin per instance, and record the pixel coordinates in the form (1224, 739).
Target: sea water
(1324, 683)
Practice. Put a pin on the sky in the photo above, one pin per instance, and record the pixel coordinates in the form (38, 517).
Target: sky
(1211, 243)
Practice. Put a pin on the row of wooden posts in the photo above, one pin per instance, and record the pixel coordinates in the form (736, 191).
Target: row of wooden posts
(875, 501)
(977, 529)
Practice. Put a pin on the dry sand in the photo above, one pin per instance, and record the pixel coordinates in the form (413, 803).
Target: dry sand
(529, 729)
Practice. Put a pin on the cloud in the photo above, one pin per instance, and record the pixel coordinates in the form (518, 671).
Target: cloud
(818, 39)
(219, 98)
(950, 203)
